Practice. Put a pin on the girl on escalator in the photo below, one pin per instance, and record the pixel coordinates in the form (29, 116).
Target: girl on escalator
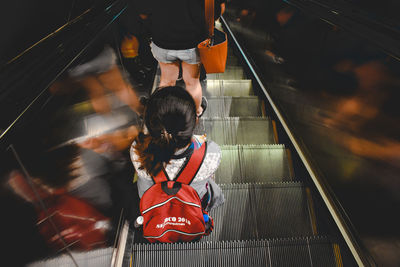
(168, 140)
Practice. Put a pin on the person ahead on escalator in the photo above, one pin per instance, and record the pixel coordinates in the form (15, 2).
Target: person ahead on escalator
(177, 27)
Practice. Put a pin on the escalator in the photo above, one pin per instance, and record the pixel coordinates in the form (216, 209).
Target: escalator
(269, 217)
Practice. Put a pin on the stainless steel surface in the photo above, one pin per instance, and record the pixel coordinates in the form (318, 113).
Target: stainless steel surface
(280, 252)
(261, 211)
(231, 73)
(228, 88)
(235, 130)
(253, 163)
(226, 106)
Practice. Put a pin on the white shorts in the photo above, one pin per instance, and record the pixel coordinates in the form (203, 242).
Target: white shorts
(190, 56)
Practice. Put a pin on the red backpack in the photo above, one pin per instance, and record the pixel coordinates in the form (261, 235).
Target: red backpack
(172, 210)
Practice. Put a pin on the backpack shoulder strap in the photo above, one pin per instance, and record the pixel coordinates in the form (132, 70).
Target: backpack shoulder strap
(187, 174)
(162, 176)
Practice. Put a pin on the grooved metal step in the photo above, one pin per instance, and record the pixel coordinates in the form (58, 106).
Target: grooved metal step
(253, 163)
(237, 130)
(228, 106)
(231, 73)
(306, 251)
(259, 211)
(228, 88)
(94, 258)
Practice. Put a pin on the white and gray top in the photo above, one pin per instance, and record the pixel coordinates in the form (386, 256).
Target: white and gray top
(203, 180)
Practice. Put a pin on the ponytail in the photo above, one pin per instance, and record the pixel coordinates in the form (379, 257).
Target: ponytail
(154, 152)
(170, 117)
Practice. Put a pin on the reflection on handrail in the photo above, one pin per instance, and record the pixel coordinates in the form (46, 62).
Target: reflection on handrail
(50, 35)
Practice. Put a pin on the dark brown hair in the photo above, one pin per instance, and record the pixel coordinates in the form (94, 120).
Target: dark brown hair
(170, 118)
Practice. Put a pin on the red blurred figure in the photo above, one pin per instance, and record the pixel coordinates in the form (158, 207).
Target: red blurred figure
(81, 226)
(66, 221)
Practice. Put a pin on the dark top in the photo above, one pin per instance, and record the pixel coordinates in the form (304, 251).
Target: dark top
(178, 24)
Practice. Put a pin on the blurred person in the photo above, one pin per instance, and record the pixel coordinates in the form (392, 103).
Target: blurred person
(76, 197)
(130, 46)
(136, 54)
(114, 147)
(118, 140)
(363, 117)
(353, 112)
(98, 72)
(284, 15)
(246, 16)
(177, 27)
(71, 169)
(168, 141)
(386, 149)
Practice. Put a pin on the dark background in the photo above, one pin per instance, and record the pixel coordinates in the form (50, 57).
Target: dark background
(24, 22)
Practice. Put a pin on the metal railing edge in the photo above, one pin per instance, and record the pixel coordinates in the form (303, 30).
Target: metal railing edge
(119, 251)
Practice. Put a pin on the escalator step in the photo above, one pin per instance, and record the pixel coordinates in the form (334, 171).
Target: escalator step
(307, 251)
(237, 130)
(232, 60)
(228, 88)
(94, 258)
(259, 211)
(231, 73)
(253, 163)
(228, 106)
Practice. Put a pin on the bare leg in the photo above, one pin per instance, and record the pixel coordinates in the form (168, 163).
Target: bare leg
(114, 81)
(169, 73)
(191, 74)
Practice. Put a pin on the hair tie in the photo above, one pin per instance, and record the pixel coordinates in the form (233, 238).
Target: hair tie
(165, 135)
